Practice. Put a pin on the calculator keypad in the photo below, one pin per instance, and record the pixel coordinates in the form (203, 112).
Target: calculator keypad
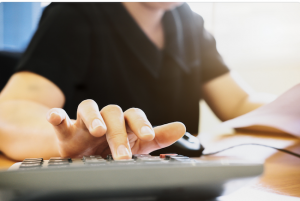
(97, 160)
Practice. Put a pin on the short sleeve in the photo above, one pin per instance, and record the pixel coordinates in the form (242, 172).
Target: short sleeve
(212, 64)
(60, 48)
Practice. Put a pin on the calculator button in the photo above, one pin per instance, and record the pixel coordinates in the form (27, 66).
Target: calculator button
(124, 161)
(164, 155)
(149, 159)
(94, 161)
(85, 157)
(135, 156)
(29, 165)
(179, 157)
(33, 159)
(109, 157)
(169, 157)
(57, 158)
(95, 156)
(184, 160)
(57, 163)
(31, 162)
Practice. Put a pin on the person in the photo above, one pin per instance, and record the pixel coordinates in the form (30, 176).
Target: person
(101, 72)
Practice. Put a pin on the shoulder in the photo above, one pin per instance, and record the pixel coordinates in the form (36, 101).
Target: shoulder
(59, 10)
(192, 23)
(189, 16)
(70, 12)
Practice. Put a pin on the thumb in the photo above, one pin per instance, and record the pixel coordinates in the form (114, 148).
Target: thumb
(60, 122)
(167, 134)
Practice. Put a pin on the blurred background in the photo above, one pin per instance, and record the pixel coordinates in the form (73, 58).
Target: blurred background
(260, 41)
(18, 22)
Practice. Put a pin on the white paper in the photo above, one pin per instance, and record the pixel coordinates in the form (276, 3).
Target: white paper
(283, 114)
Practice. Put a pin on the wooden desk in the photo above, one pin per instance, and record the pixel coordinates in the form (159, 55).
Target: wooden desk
(281, 178)
(5, 162)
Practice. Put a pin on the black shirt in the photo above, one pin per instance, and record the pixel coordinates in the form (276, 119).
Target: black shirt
(97, 51)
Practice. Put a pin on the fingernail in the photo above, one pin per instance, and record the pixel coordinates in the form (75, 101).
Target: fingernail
(145, 130)
(96, 123)
(122, 151)
(54, 112)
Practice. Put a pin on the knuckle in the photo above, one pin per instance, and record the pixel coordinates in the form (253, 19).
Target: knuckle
(116, 135)
(138, 120)
(137, 117)
(135, 113)
(92, 114)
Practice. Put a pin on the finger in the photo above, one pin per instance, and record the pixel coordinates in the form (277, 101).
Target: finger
(137, 121)
(169, 133)
(60, 121)
(165, 135)
(116, 134)
(89, 117)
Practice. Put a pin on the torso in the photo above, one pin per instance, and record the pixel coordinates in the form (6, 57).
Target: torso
(113, 62)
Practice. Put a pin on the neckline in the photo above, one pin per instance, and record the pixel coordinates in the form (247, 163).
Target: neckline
(143, 32)
(141, 45)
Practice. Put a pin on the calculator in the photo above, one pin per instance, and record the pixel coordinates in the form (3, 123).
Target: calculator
(143, 177)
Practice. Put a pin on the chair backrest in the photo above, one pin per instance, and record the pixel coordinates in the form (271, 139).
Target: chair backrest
(8, 63)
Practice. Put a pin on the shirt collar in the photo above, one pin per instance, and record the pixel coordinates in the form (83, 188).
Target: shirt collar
(141, 45)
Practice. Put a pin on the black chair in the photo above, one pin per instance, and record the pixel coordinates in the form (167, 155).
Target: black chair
(8, 63)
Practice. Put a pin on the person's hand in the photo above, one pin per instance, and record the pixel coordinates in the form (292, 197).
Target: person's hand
(110, 131)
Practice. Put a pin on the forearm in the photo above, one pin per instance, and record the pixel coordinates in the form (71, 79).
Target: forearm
(252, 102)
(229, 97)
(24, 130)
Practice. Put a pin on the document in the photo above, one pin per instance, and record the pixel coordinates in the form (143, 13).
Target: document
(283, 114)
